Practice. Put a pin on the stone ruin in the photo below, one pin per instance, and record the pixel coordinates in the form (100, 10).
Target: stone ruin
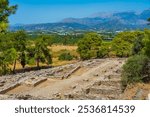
(108, 87)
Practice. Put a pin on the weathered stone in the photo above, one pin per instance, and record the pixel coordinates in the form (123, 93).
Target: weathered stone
(1, 85)
(8, 88)
(34, 81)
(69, 96)
(105, 90)
(86, 80)
(71, 72)
(138, 94)
(73, 87)
(97, 83)
(96, 75)
(87, 91)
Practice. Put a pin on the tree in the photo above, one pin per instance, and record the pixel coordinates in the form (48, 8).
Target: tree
(104, 50)
(88, 47)
(41, 52)
(121, 48)
(7, 52)
(20, 40)
(128, 43)
(5, 11)
(7, 58)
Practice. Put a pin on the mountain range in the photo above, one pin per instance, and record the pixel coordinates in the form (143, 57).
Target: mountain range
(100, 21)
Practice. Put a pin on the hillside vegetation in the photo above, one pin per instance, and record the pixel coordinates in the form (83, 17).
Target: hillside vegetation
(20, 48)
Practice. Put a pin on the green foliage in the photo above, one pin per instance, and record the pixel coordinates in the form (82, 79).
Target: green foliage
(10, 55)
(19, 43)
(65, 56)
(6, 41)
(65, 39)
(41, 52)
(20, 38)
(5, 11)
(147, 43)
(104, 50)
(6, 58)
(133, 69)
(126, 44)
(138, 44)
(88, 47)
(121, 47)
(4, 66)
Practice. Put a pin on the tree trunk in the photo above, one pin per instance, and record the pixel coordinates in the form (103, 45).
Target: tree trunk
(14, 68)
(38, 63)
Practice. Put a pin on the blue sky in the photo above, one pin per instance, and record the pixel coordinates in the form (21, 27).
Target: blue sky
(45, 11)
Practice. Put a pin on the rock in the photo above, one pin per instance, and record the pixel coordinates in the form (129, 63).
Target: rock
(68, 96)
(57, 96)
(97, 83)
(138, 94)
(87, 91)
(1, 85)
(73, 87)
(96, 75)
(86, 80)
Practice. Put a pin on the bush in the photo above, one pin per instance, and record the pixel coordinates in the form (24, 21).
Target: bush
(134, 69)
(65, 56)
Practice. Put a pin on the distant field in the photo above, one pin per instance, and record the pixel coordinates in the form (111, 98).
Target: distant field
(56, 51)
(56, 48)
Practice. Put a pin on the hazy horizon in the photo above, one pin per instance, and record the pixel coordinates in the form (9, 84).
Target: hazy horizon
(49, 11)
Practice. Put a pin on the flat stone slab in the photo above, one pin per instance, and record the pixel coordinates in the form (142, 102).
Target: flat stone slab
(8, 88)
(34, 81)
(71, 72)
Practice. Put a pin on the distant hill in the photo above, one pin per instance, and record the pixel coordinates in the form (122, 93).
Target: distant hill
(100, 21)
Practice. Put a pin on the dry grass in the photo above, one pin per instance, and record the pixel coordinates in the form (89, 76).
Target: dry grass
(56, 48)
(57, 62)
(131, 91)
(56, 51)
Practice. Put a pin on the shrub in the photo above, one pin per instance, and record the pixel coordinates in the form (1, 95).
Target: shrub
(65, 56)
(134, 69)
